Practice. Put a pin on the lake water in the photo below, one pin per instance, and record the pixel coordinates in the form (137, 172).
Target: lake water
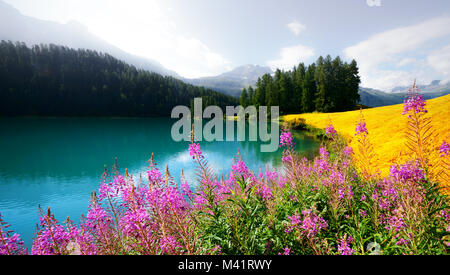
(58, 162)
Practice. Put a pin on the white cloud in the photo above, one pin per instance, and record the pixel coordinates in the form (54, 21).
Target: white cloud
(440, 61)
(295, 27)
(290, 57)
(194, 59)
(406, 62)
(399, 47)
(373, 3)
(144, 28)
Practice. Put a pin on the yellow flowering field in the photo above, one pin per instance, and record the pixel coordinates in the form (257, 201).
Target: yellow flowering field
(386, 126)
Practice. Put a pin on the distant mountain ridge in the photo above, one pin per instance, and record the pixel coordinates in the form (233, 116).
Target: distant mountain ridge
(376, 98)
(15, 26)
(234, 81)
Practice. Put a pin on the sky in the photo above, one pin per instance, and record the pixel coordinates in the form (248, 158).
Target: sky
(393, 41)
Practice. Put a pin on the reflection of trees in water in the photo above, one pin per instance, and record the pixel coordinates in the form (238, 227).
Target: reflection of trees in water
(82, 145)
(73, 146)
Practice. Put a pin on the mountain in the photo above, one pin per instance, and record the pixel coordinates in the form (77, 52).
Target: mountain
(375, 98)
(435, 86)
(15, 26)
(234, 81)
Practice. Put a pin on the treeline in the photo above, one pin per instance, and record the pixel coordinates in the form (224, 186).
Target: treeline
(328, 85)
(51, 80)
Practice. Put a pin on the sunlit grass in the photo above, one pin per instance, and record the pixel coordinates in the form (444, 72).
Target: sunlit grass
(386, 126)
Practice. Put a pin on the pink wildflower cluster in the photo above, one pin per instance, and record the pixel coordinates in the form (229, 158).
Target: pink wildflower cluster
(330, 131)
(444, 149)
(125, 216)
(156, 216)
(344, 246)
(348, 151)
(309, 224)
(414, 103)
(286, 139)
(361, 129)
(195, 150)
(407, 172)
(395, 222)
(385, 194)
(10, 245)
(287, 251)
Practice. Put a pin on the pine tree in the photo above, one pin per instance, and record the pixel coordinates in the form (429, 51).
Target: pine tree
(298, 79)
(251, 95)
(321, 91)
(309, 89)
(244, 100)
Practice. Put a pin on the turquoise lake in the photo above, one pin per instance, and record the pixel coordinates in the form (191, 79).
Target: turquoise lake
(58, 162)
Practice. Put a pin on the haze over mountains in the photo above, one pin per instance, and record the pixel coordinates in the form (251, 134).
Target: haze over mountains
(15, 26)
(376, 98)
(234, 81)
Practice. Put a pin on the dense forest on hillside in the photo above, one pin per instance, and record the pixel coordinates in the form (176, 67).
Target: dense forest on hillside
(51, 80)
(328, 85)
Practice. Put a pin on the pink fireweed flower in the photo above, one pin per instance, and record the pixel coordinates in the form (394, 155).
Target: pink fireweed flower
(52, 238)
(97, 220)
(310, 225)
(446, 215)
(287, 251)
(286, 159)
(414, 103)
(286, 139)
(344, 246)
(321, 166)
(169, 245)
(134, 222)
(336, 178)
(395, 222)
(294, 221)
(10, 245)
(186, 189)
(195, 150)
(106, 190)
(217, 250)
(323, 153)
(402, 242)
(361, 129)
(282, 181)
(238, 170)
(444, 149)
(407, 172)
(385, 194)
(271, 175)
(330, 131)
(111, 189)
(154, 175)
(362, 213)
(264, 192)
(350, 193)
(348, 151)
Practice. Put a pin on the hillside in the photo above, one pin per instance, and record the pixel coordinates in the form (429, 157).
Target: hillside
(51, 80)
(386, 126)
(376, 98)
